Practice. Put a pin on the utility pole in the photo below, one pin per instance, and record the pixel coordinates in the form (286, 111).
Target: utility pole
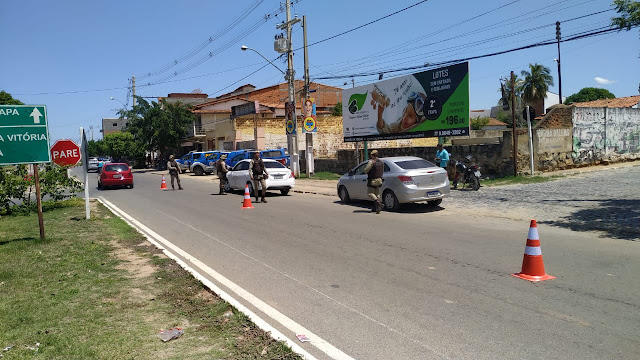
(133, 89)
(513, 118)
(559, 73)
(292, 139)
(309, 135)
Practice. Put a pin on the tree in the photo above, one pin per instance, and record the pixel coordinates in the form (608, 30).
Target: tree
(7, 99)
(122, 146)
(337, 110)
(96, 148)
(479, 123)
(629, 14)
(505, 115)
(158, 126)
(589, 94)
(535, 84)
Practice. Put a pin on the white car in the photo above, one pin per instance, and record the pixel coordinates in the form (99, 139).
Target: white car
(93, 164)
(280, 177)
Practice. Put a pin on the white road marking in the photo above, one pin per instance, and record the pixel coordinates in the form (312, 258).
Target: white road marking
(307, 286)
(295, 328)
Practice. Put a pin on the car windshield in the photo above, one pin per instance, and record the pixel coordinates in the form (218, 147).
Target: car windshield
(116, 167)
(414, 164)
(273, 165)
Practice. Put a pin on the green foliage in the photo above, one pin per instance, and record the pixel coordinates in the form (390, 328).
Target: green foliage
(337, 110)
(158, 126)
(17, 187)
(7, 99)
(536, 83)
(96, 148)
(479, 123)
(629, 14)
(589, 94)
(122, 146)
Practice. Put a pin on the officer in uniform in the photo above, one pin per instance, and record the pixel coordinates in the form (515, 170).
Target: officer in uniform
(374, 170)
(258, 174)
(222, 169)
(174, 171)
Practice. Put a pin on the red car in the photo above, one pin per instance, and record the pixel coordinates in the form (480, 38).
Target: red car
(115, 174)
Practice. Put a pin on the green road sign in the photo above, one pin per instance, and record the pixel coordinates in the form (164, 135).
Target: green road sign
(24, 134)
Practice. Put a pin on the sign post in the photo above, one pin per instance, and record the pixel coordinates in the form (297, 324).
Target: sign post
(24, 139)
(85, 171)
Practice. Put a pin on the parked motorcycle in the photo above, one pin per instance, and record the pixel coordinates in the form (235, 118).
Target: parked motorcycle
(468, 173)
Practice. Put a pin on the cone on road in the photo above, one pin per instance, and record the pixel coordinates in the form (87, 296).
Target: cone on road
(163, 184)
(532, 264)
(246, 204)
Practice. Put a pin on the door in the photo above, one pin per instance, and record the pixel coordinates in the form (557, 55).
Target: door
(239, 175)
(357, 183)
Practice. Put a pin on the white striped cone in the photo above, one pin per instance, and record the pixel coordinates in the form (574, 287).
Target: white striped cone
(532, 264)
(246, 204)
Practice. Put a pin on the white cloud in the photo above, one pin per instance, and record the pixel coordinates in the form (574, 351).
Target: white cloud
(603, 81)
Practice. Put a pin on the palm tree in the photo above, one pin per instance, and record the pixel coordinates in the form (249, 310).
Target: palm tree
(536, 83)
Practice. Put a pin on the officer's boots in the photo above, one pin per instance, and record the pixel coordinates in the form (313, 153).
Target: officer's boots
(263, 193)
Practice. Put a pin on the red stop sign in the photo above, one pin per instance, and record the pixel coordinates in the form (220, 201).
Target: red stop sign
(65, 152)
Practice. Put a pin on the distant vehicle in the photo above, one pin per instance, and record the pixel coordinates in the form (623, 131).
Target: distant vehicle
(92, 164)
(115, 174)
(186, 160)
(103, 160)
(206, 162)
(280, 177)
(406, 179)
(280, 155)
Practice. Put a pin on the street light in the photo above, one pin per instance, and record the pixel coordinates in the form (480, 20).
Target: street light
(245, 48)
(125, 106)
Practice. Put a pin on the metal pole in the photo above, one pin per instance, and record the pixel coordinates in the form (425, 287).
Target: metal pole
(559, 73)
(133, 89)
(85, 171)
(309, 136)
(530, 140)
(513, 119)
(38, 200)
(295, 160)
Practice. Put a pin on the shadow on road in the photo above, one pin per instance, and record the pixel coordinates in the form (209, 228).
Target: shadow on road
(618, 218)
(413, 208)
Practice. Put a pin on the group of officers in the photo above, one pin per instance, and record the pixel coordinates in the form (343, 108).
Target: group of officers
(259, 174)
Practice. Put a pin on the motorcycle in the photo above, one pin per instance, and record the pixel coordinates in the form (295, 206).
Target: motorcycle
(468, 173)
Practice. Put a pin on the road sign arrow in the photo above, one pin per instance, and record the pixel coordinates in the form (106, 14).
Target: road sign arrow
(35, 114)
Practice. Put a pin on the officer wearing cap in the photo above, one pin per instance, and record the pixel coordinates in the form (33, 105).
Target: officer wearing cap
(174, 171)
(374, 170)
(222, 169)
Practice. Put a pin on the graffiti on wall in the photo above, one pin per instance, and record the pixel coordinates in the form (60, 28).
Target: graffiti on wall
(598, 131)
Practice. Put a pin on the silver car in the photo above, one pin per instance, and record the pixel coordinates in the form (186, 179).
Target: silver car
(92, 164)
(406, 179)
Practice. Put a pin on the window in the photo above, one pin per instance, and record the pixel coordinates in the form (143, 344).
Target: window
(211, 156)
(386, 168)
(196, 156)
(241, 166)
(238, 157)
(271, 153)
(274, 165)
(119, 167)
(414, 164)
(115, 124)
(360, 169)
(186, 157)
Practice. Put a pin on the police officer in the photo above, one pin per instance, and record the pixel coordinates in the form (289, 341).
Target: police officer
(174, 171)
(222, 169)
(374, 170)
(258, 174)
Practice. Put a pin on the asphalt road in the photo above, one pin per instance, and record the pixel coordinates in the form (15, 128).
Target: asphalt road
(417, 284)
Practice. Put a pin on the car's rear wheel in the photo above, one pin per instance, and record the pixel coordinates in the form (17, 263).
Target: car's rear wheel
(199, 171)
(131, 186)
(284, 191)
(434, 202)
(344, 195)
(390, 200)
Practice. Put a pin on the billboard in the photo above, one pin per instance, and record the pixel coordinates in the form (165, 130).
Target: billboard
(432, 103)
(309, 123)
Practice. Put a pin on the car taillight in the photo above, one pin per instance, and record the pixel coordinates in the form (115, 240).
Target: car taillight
(407, 180)
(282, 161)
(293, 175)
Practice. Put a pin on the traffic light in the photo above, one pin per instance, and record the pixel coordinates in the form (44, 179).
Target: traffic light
(558, 30)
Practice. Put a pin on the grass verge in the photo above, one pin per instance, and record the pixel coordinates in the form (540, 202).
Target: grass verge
(510, 180)
(96, 289)
(322, 175)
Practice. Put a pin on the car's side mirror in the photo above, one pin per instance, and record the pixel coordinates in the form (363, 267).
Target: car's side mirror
(351, 172)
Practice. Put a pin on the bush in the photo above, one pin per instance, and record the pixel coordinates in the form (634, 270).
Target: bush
(479, 123)
(17, 188)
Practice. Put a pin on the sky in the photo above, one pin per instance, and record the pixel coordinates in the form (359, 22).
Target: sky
(73, 56)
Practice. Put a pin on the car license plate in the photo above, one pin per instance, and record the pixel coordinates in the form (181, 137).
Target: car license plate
(278, 176)
(117, 176)
(433, 193)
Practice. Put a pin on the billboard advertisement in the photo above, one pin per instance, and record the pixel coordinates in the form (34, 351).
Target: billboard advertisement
(309, 124)
(432, 103)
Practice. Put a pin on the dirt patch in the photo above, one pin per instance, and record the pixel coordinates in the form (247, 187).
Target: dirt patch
(137, 266)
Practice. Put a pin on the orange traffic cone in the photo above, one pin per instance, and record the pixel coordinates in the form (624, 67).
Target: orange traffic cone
(532, 265)
(247, 199)
(163, 184)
